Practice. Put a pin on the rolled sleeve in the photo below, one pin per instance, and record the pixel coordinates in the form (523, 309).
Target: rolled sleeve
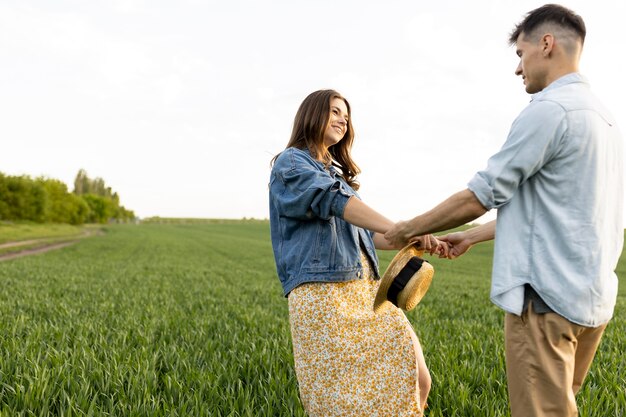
(533, 140)
(303, 190)
(482, 190)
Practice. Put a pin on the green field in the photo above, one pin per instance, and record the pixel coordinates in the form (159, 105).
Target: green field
(189, 320)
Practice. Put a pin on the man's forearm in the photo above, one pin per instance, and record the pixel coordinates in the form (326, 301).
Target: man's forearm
(481, 233)
(457, 210)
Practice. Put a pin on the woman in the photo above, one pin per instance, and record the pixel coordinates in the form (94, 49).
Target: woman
(348, 359)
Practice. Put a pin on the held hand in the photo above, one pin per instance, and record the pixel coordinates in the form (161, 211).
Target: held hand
(443, 249)
(427, 243)
(399, 235)
(458, 244)
(432, 245)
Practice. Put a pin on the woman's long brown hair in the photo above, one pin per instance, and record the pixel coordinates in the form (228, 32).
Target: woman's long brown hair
(309, 126)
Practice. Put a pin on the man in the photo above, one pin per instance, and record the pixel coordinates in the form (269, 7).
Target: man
(557, 184)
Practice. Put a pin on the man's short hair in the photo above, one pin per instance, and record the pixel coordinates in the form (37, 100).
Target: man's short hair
(550, 14)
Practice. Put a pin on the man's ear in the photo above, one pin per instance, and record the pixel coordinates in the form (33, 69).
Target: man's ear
(547, 44)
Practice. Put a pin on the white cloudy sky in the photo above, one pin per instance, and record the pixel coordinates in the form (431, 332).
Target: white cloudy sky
(180, 105)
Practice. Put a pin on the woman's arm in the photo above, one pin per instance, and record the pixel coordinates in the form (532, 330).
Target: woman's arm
(360, 214)
(381, 243)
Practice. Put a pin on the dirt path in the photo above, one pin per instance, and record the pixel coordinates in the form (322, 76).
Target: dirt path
(20, 243)
(44, 247)
(35, 251)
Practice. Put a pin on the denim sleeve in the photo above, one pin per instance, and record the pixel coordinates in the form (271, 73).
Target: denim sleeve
(532, 142)
(301, 190)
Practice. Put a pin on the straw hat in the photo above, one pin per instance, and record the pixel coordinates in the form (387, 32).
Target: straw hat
(405, 281)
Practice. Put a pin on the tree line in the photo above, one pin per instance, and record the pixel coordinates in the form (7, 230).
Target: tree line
(45, 200)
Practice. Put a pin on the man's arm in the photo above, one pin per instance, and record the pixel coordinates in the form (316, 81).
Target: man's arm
(360, 214)
(457, 210)
(460, 242)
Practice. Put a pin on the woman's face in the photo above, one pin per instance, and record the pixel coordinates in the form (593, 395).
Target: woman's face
(337, 123)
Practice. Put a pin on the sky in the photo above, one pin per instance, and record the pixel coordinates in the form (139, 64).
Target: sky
(180, 105)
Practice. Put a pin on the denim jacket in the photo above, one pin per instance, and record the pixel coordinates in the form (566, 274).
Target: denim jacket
(311, 240)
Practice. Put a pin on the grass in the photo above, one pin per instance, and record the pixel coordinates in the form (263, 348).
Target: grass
(189, 320)
(11, 232)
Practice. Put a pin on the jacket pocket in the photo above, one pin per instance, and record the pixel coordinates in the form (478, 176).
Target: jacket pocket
(324, 246)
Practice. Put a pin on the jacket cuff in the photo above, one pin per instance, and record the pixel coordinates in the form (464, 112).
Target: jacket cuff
(340, 201)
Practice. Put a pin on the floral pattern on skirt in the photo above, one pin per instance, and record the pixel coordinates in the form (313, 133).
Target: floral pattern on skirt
(350, 361)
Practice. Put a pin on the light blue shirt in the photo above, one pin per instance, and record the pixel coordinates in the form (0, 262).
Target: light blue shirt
(557, 183)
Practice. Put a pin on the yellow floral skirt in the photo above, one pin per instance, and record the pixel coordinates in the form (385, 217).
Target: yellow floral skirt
(350, 361)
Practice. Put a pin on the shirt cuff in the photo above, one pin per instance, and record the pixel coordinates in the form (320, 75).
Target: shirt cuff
(483, 192)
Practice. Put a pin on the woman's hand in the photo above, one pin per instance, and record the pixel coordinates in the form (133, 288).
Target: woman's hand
(432, 245)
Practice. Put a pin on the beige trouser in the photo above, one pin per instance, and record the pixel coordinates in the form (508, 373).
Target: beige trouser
(547, 359)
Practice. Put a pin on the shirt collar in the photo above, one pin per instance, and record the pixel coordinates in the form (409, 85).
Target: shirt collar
(570, 78)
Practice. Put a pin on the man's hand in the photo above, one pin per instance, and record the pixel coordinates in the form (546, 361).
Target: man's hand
(400, 235)
(458, 242)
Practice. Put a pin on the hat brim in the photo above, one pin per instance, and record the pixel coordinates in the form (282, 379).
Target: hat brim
(415, 289)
